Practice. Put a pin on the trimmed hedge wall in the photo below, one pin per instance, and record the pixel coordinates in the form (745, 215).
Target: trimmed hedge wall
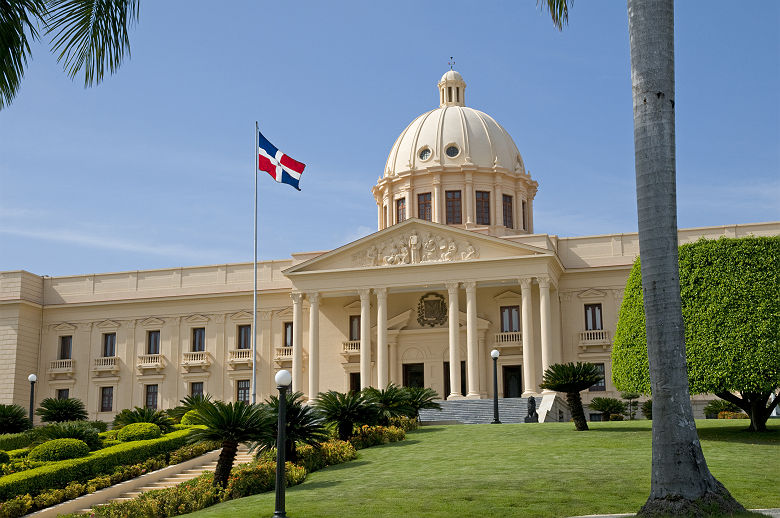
(60, 474)
(59, 449)
(14, 441)
(139, 432)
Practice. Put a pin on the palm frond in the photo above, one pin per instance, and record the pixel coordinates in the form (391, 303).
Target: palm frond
(18, 20)
(570, 377)
(91, 35)
(559, 11)
(236, 422)
(54, 410)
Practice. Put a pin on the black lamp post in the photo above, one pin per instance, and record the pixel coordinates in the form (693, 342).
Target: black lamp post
(283, 379)
(32, 378)
(495, 354)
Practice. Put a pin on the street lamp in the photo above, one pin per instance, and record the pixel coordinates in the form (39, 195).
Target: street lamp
(283, 379)
(495, 354)
(32, 378)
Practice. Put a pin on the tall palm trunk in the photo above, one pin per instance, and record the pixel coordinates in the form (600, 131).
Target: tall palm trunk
(225, 463)
(680, 482)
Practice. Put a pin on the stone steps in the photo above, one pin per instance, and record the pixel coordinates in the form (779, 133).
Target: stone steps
(476, 411)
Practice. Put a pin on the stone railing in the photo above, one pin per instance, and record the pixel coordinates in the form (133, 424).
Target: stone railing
(350, 347)
(61, 366)
(511, 338)
(106, 363)
(284, 353)
(150, 361)
(238, 356)
(594, 337)
(195, 358)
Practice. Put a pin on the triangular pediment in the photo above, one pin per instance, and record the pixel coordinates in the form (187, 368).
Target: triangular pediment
(592, 294)
(151, 322)
(416, 242)
(284, 313)
(197, 319)
(508, 295)
(65, 327)
(108, 324)
(242, 315)
(354, 305)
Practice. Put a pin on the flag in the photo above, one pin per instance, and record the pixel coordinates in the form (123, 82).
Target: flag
(280, 166)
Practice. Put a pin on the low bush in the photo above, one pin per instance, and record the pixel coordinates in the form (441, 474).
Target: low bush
(143, 415)
(15, 466)
(59, 449)
(193, 450)
(14, 441)
(4, 457)
(100, 426)
(616, 417)
(732, 415)
(18, 454)
(189, 418)
(139, 432)
(15, 507)
(407, 424)
(109, 435)
(81, 430)
(336, 452)
(251, 479)
(367, 436)
(647, 409)
(716, 406)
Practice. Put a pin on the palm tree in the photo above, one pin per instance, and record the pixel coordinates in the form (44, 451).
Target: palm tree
(572, 379)
(304, 424)
(89, 35)
(679, 483)
(392, 401)
(143, 415)
(13, 419)
(422, 398)
(54, 410)
(231, 424)
(607, 406)
(345, 410)
(191, 402)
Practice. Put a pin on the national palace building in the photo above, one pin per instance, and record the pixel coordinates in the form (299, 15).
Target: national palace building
(453, 271)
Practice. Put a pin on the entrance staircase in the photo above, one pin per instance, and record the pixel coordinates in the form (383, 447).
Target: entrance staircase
(478, 411)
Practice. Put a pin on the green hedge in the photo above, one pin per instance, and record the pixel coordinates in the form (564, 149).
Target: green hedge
(60, 474)
(139, 432)
(59, 449)
(14, 441)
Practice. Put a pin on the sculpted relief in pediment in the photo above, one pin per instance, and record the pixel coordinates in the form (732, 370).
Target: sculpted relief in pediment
(414, 248)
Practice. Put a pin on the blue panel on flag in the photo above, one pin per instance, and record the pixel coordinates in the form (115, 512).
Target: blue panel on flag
(263, 143)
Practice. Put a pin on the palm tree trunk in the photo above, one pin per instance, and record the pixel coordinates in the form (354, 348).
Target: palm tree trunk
(680, 480)
(577, 413)
(225, 463)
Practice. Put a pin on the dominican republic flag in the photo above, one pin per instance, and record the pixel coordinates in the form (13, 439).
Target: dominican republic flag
(283, 168)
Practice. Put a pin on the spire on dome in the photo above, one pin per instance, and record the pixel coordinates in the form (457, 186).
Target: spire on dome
(452, 89)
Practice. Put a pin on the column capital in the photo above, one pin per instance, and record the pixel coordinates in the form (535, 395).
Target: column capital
(313, 296)
(364, 294)
(525, 283)
(381, 293)
(452, 287)
(296, 296)
(470, 285)
(468, 175)
(544, 282)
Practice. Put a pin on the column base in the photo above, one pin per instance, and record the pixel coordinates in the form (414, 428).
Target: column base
(530, 393)
(473, 395)
(547, 392)
(455, 397)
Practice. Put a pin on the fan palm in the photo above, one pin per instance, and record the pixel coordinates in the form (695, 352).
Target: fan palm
(231, 424)
(345, 410)
(607, 406)
(421, 398)
(572, 379)
(89, 35)
(192, 402)
(54, 410)
(143, 415)
(13, 419)
(304, 424)
(392, 401)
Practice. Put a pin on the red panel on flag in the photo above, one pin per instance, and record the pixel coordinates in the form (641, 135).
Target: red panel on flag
(288, 162)
(264, 164)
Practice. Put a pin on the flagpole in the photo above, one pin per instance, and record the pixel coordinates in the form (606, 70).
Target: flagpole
(254, 289)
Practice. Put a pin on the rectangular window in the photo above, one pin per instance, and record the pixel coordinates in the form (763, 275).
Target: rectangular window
(244, 337)
(196, 388)
(400, 210)
(413, 374)
(106, 399)
(525, 215)
(153, 342)
(199, 339)
(354, 327)
(66, 347)
(63, 393)
(109, 345)
(453, 207)
(483, 208)
(424, 208)
(510, 319)
(288, 334)
(509, 220)
(601, 385)
(384, 215)
(595, 417)
(242, 391)
(593, 317)
(151, 397)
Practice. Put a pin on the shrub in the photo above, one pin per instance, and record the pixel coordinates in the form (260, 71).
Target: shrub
(367, 436)
(13, 419)
(336, 452)
(54, 410)
(109, 435)
(716, 406)
(732, 415)
(407, 424)
(189, 418)
(19, 453)
(144, 415)
(4, 457)
(14, 441)
(101, 462)
(18, 506)
(100, 426)
(616, 417)
(607, 406)
(647, 409)
(139, 432)
(254, 478)
(81, 430)
(192, 450)
(59, 449)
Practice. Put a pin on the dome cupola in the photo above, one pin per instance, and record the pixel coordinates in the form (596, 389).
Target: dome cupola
(452, 89)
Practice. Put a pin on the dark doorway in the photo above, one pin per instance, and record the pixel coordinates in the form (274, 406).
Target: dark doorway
(447, 379)
(513, 380)
(414, 375)
(354, 382)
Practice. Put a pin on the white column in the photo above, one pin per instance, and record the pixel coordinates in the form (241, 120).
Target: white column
(453, 313)
(545, 311)
(498, 206)
(392, 344)
(408, 202)
(314, 345)
(469, 200)
(381, 337)
(530, 380)
(365, 338)
(297, 355)
(437, 200)
(472, 348)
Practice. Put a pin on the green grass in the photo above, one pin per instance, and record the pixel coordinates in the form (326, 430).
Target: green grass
(517, 470)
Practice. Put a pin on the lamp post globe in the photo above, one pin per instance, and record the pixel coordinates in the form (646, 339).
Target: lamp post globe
(32, 378)
(495, 354)
(283, 380)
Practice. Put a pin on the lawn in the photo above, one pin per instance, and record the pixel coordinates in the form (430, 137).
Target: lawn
(518, 470)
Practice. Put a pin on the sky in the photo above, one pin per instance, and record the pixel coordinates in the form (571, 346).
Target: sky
(153, 167)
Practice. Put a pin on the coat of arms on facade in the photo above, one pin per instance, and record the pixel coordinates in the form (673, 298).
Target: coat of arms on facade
(432, 310)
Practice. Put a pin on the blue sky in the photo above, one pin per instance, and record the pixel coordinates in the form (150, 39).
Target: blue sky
(153, 168)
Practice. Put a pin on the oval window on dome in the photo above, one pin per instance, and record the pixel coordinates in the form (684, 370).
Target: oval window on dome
(452, 151)
(425, 153)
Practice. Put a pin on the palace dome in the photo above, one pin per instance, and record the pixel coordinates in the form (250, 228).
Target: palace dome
(453, 136)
